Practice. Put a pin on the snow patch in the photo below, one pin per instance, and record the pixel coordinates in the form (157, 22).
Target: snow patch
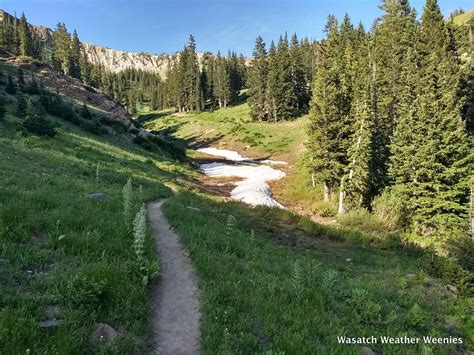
(253, 189)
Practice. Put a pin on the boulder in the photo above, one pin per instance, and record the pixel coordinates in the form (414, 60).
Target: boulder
(103, 333)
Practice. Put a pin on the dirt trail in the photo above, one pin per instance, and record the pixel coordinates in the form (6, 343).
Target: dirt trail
(175, 298)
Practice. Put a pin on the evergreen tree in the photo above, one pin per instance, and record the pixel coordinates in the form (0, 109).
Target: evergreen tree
(36, 123)
(357, 185)
(297, 74)
(32, 87)
(328, 132)
(75, 56)
(258, 81)
(393, 38)
(11, 87)
(221, 81)
(287, 101)
(24, 37)
(85, 68)
(430, 162)
(61, 50)
(272, 86)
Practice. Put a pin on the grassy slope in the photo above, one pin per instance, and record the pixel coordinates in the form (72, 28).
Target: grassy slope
(259, 295)
(64, 254)
(273, 281)
(233, 129)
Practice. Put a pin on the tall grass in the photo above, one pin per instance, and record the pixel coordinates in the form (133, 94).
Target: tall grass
(286, 287)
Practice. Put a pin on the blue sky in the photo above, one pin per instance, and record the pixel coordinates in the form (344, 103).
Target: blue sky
(158, 26)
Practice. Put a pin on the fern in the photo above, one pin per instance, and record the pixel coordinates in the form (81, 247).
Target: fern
(297, 278)
(329, 279)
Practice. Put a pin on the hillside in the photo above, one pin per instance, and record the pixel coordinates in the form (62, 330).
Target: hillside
(464, 18)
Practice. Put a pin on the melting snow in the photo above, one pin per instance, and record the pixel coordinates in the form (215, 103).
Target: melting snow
(228, 154)
(253, 189)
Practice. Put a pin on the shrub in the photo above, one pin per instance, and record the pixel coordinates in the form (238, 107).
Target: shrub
(363, 220)
(36, 123)
(416, 317)
(117, 126)
(82, 290)
(367, 310)
(92, 127)
(85, 112)
(389, 208)
(462, 248)
(325, 209)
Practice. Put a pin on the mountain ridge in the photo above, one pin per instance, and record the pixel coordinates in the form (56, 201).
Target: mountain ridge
(111, 59)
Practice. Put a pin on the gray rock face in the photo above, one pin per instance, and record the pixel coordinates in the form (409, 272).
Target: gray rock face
(116, 61)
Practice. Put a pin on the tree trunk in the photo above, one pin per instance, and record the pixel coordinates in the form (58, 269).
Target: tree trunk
(327, 192)
(313, 180)
(342, 192)
(342, 195)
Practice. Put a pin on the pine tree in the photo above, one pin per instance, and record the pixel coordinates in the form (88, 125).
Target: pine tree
(393, 38)
(85, 68)
(75, 56)
(258, 81)
(328, 132)
(297, 74)
(271, 95)
(24, 37)
(221, 81)
(61, 51)
(286, 101)
(430, 162)
(36, 123)
(357, 185)
(11, 86)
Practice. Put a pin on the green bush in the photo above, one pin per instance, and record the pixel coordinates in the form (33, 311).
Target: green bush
(36, 123)
(462, 248)
(390, 208)
(325, 209)
(363, 220)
